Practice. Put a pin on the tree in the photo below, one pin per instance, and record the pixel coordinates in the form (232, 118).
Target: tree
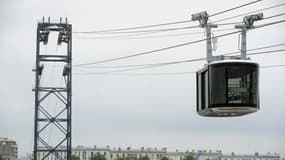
(73, 157)
(1, 157)
(189, 157)
(123, 158)
(98, 156)
(164, 158)
(144, 158)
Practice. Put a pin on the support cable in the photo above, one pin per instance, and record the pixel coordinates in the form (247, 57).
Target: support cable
(141, 31)
(176, 73)
(153, 51)
(164, 24)
(144, 32)
(120, 37)
(174, 46)
(234, 8)
(176, 62)
(154, 64)
(247, 13)
(125, 30)
(171, 35)
(278, 15)
(139, 27)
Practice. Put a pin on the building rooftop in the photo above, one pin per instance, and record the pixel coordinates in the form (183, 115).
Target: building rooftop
(3, 139)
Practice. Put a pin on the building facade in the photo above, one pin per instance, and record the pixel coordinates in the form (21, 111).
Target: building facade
(8, 149)
(85, 153)
(255, 156)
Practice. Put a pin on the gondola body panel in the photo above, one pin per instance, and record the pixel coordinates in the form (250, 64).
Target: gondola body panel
(228, 88)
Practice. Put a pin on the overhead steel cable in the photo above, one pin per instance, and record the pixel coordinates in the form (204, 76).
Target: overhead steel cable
(266, 47)
(247, 13)
(141, 74)
(177, 62)
(128, 35)
(157, 50)
(152, 31)
(277, 15)
(273, 66)
(141, 31)
(116, 31)
(155, 36)
(172, 73)
(141, 34)
(230, 23)
(139, 27)
(234, 8)
(185, 61)
(153, 51)
(267, 24)
(132, 36)
(154, 64)
(174, 46)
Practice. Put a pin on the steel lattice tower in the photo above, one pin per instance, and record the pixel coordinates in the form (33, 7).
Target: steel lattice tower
(61, 120)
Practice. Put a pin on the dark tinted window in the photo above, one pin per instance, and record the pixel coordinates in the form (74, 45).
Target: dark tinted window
(218, 85)
(233, 84)
(203, 90)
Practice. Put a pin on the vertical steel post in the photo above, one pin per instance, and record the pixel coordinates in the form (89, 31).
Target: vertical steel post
(243, 43)
(203, 17)
(69, 94)
(209, 43)
(209, 37)
(36, 96)
(248, 22)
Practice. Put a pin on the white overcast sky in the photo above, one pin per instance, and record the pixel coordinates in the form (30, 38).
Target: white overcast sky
(150, 111)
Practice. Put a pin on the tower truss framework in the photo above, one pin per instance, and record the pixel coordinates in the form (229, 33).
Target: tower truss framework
(61, 119)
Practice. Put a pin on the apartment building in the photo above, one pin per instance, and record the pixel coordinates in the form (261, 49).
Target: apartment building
(8, 149)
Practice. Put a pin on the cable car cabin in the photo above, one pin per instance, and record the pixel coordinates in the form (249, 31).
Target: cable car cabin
(228, 88)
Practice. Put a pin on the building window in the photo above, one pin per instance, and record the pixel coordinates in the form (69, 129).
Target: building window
(84, 155)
